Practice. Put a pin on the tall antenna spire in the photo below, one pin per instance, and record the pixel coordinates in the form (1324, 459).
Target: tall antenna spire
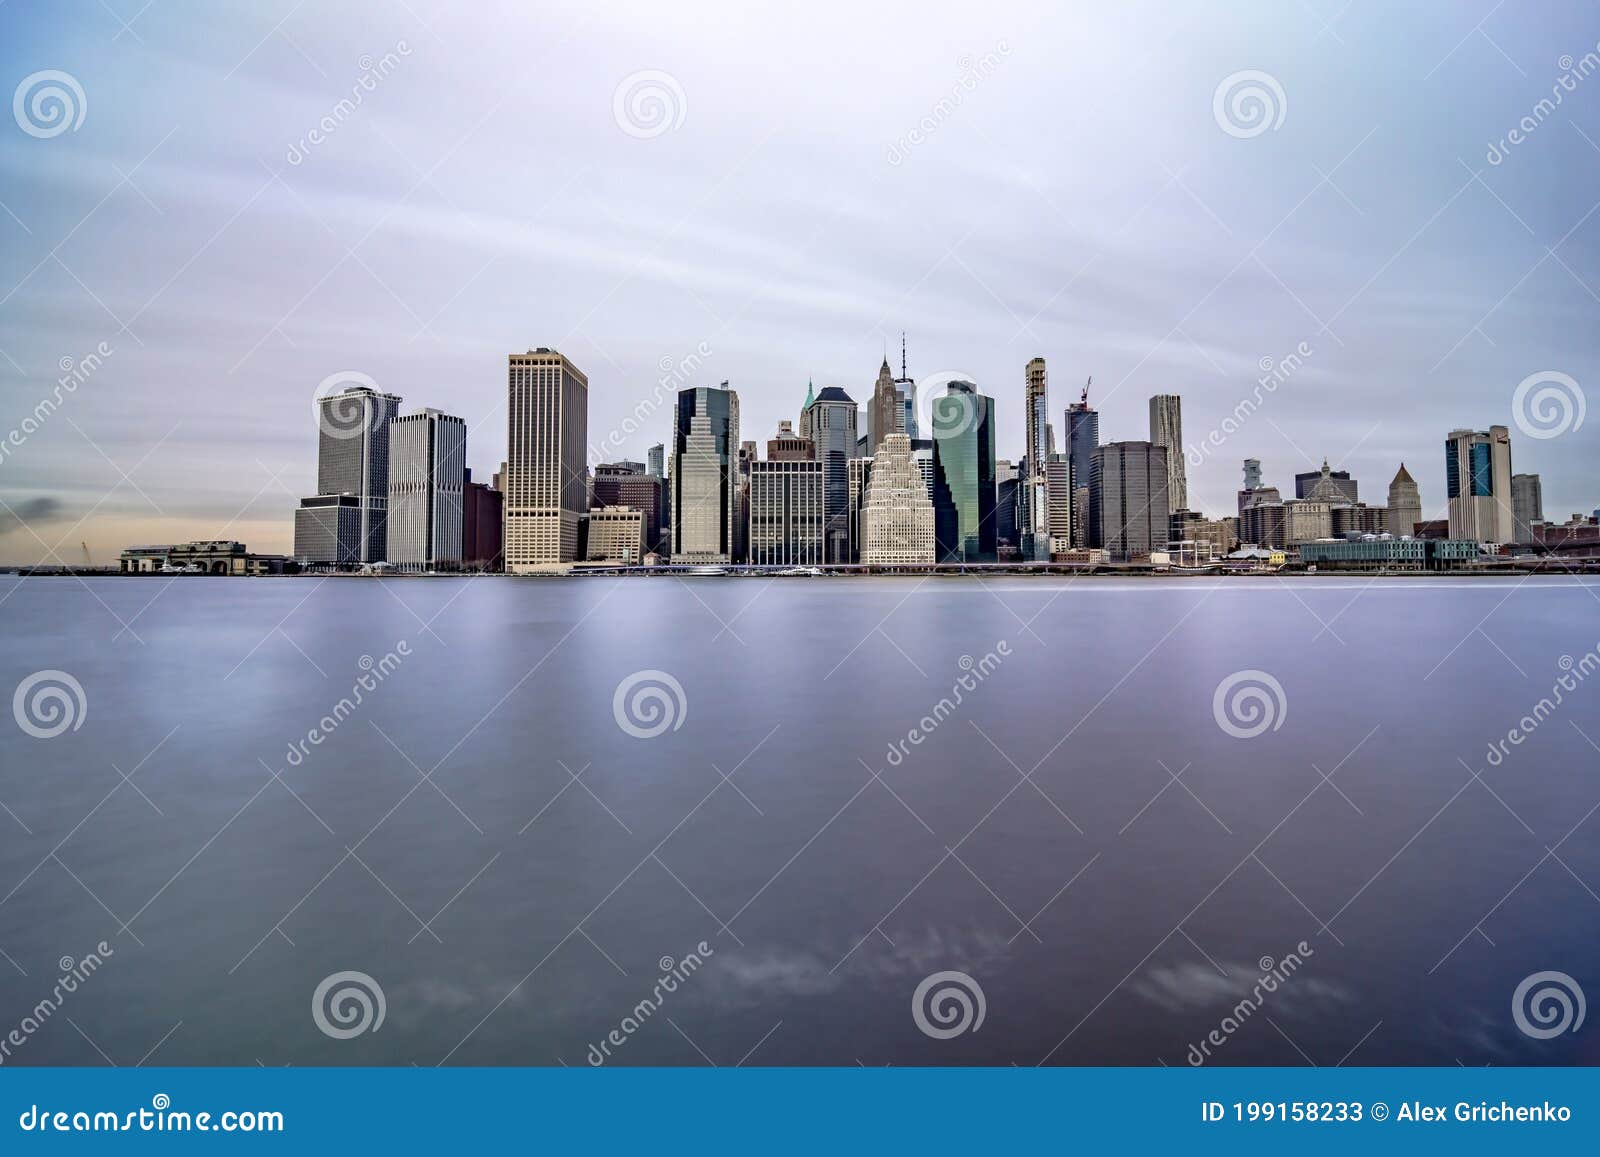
(903, 373)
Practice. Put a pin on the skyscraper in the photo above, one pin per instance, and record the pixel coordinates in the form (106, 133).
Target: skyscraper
(1128, 499)
(1343, 487)
(1527, 504)
(482, 524)
(786, 515)
(896, 511)
(1252, 474)
(1477, 466)
(656, 457)
(547, 428)
(627, 484)
(1033, 493)
(830, 422)
(1058, 476)
(427, 464)
(352, 462)
(908, 395)
(1166, 429)
(1083, 438)
(1405, 504)
(705, 475)
(963, 474)
(887, 414)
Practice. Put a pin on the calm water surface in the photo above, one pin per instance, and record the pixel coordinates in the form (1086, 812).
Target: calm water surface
(1078, 834)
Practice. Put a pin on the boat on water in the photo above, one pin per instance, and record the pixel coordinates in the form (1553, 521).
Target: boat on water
(707, 570)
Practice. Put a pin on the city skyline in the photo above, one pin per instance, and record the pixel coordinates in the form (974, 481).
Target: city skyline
(1372, 225)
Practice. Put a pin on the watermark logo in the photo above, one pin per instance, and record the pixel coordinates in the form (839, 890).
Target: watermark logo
(974, 672)
(649, 104)
(945, 410)
(1548, 1004)
(1249, 703)
(73, 974)
(1547, 404)
(47, 703)
(340, 413)
(372, 73)
(948, 1004)
(1573, 72)
(673, 974)
(649, 703)
(48, 103)
(348, 1004)
(1248, 103)
(1274, 974)
(970, 73)
(1573, 674)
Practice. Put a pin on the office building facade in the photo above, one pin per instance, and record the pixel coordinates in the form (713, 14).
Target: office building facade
(1405, 504)
(427, 480)
(963, 474)
(704, 479)
(1527, 505)
(786, 513)
(1128, 515)
(546, 484)
(1477, 466)
(896, 520)
(353, 461)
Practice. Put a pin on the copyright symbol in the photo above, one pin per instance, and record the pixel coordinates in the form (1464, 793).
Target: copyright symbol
(1380, 1111)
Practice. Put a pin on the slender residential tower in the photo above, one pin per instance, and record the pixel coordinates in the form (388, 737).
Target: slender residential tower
(547, 428)
(1166, 429)
(1033, 490)
(1083, 437)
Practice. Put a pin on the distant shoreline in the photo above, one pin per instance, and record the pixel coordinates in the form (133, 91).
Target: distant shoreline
(1578, 569)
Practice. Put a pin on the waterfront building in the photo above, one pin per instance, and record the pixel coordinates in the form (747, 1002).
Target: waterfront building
(1306, 520)
(482, 524)
(1033, 490)
(1357, 519)
(427, 476)
(352, 461)
(1478, 484)
(860, 475)
(1083, 438)
(1405, 504)
(963, 474)
(1387, 553)
(1527, 505)
(630, 484)
(830, 422)
(704, 477)
(1166, 429)
(1128, 499)
(1326, 485)
(327, 531)
(211, 557)
(1262, 524)
(896, 511)
(614, 534)
(786, 512)
(546, 485)
(1058, 497)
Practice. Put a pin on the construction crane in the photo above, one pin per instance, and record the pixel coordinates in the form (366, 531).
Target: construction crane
(88, 563)
(1083, 398)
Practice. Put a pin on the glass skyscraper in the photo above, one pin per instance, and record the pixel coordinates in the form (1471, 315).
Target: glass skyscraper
(705, 475)
(963, 474)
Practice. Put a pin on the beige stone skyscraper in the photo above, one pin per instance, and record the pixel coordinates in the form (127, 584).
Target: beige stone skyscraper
(546, 486)
(888, 413)
(896, 512)
(1405, 504)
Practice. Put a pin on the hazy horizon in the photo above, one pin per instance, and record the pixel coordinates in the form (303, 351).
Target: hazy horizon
(1082, 191)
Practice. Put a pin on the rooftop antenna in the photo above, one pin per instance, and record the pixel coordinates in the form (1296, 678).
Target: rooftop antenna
(903, 373)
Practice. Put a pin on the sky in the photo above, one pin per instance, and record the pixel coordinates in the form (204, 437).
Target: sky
(245, 200)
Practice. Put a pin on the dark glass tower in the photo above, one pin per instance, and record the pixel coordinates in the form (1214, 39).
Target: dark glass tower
(963, 475)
